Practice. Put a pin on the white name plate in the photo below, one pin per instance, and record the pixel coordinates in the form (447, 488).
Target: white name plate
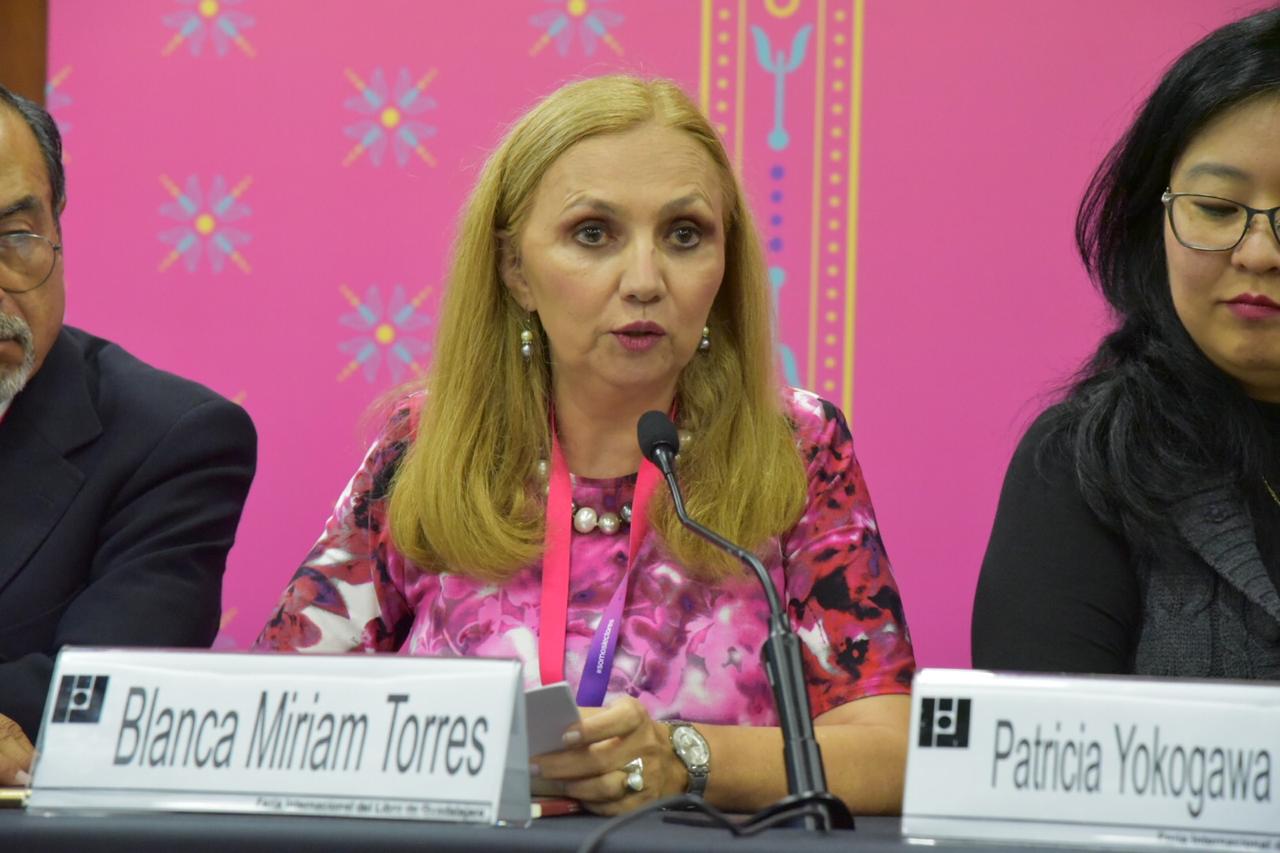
(1093, 761)
(351, 735)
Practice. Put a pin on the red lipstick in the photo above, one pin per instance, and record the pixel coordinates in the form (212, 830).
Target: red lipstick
(639, 336)
(1254, 306)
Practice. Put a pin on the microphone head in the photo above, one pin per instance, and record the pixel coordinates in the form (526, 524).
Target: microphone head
(654, 430)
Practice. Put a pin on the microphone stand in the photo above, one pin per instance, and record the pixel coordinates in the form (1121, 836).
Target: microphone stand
(808, 804)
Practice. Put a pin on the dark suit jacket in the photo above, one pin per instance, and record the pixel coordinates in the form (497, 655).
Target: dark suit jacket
(120, 490)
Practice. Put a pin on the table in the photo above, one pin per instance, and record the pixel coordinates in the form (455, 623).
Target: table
(218, 833)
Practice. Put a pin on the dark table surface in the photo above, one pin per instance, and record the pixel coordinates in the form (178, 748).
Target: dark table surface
(192, 833)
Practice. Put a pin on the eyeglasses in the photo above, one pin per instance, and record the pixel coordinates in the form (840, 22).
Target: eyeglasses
(1213, 224)
(26, 261)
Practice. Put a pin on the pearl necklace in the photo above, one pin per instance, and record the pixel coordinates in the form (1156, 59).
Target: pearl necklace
(586, 518)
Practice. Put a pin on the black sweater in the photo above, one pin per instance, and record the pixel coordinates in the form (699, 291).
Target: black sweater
(1058, 590)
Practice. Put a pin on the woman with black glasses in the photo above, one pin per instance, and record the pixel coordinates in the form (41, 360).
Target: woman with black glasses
(1139, 526)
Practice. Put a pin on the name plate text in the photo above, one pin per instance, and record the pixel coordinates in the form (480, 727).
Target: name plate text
(1093, 760)
(361, 736)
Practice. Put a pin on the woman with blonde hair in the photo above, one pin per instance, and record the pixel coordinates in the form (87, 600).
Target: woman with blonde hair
(607, 265)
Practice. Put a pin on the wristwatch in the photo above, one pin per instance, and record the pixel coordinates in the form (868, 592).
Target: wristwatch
(691, 748)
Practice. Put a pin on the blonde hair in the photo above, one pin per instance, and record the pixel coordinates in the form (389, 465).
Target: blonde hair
(466, 498)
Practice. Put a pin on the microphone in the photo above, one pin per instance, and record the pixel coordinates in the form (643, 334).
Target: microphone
(657, 434)
(808, 797)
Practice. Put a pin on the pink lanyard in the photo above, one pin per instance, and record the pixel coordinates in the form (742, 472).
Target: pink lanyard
(554, 620)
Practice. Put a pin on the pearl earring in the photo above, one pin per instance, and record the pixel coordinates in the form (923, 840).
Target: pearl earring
(704, 345)
(526, 345)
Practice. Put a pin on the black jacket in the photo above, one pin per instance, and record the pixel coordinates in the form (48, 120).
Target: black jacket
(120, 490)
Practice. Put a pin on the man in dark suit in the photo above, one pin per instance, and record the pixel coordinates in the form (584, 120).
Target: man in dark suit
(120, 485)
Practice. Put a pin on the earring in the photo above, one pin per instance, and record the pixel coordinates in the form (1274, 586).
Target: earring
(704, 345)
(526, 345)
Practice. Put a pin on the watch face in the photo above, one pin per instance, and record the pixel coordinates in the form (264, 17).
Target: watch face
(691, 746)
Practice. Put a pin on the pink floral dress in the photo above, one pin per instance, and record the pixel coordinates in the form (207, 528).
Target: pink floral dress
(687, 649)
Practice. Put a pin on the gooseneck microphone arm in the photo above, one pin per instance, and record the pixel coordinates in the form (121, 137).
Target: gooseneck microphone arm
(665, 460)
(808, 797)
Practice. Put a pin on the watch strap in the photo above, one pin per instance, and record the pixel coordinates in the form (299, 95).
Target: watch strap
(698, 773)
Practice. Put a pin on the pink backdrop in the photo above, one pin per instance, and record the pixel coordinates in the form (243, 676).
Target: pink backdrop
(262, 195)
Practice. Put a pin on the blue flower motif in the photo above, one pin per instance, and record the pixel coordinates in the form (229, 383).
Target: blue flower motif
(390, 116)
(214, 19)
(56, 98)
(383, 333)
(203, 229)
(586, 18)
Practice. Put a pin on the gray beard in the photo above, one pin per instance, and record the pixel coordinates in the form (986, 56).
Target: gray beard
(14, 379)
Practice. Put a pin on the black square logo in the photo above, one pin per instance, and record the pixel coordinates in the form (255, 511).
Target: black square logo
(944, 722)
(79, 699)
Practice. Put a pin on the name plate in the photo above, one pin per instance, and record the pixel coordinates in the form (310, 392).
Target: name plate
(350, 735)
(1093, 761)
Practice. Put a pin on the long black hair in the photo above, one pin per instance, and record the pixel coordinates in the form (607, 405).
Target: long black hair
(1149, 419)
